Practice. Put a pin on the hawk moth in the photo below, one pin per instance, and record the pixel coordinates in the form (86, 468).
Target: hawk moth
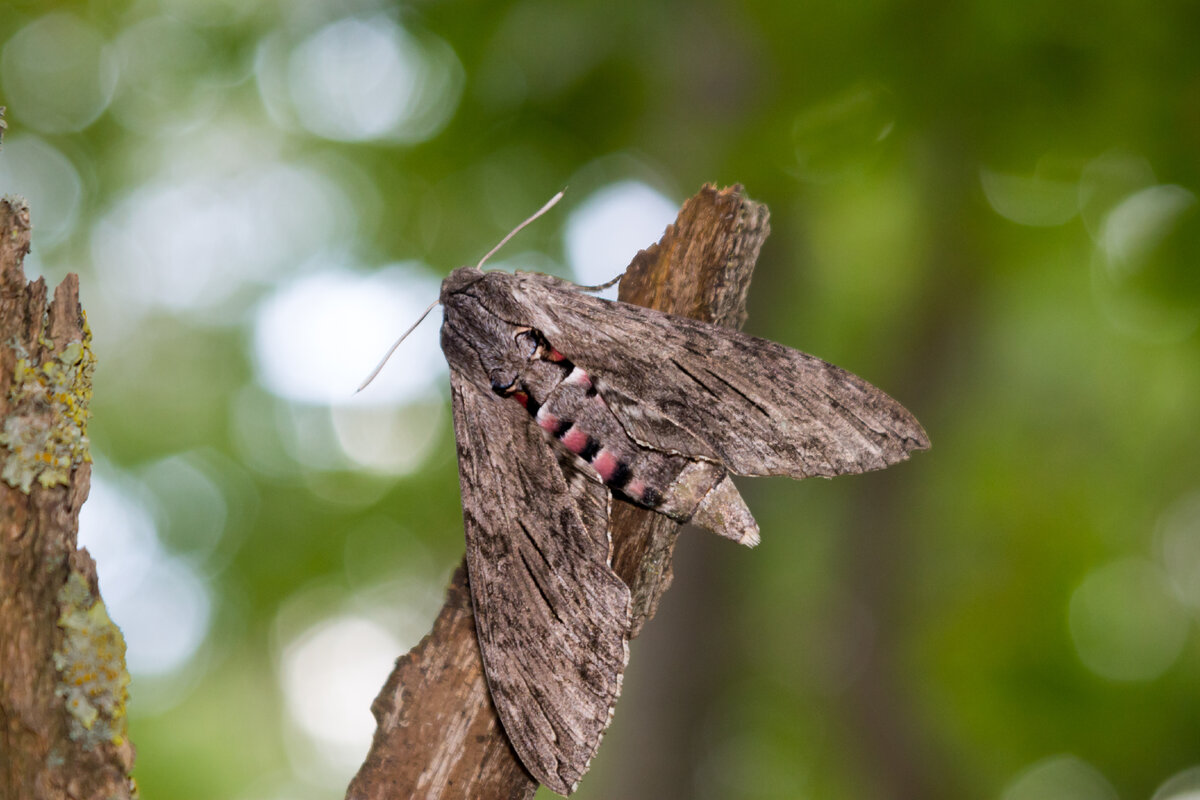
(562, 402)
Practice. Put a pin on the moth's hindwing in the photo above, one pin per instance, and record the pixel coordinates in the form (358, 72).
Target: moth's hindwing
(551, 616)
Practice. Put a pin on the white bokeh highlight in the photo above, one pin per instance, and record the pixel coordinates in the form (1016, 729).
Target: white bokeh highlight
(1139, 223)
(610, 226)
(58, 74)
(1126, 624)
(164, 88)
(47, 179)
(160, 601)
(317, 338)
(1135, 246)
(1061, 777)
(331, 673)
(1183, 785)
(193, 241)
(1178, 541)
(361, 79)
(386, 439)
(192, 510)
(1036, 200)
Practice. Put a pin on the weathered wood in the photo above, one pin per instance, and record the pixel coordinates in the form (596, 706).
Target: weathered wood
(438, 735)
(62, 660)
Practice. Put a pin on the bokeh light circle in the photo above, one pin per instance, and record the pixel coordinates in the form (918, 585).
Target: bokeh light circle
(59, 74)
(1125, 623)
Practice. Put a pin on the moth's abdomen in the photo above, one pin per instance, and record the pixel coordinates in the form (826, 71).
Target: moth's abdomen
(574, 413)
(567, 404)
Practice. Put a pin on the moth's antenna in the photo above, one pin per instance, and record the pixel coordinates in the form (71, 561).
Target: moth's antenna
(549, 205)
(379, 367)
(601, 286)
(392, 349)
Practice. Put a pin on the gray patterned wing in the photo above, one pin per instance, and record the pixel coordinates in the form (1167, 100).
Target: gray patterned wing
(700, 389)
(551, 615)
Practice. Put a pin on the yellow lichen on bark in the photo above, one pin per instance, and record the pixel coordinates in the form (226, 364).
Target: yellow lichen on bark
(91, 663)
(46, 435)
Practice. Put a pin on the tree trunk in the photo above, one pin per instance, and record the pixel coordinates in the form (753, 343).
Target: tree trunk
(62, 660)
(438, 735)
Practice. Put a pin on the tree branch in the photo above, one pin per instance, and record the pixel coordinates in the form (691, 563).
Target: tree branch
(62, 660)
(438, 735)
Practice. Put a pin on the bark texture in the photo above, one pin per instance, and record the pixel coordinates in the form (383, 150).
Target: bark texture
(62, 660)
(438, 735)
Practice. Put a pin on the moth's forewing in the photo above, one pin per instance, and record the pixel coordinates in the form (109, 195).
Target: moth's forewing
(551, 616)
(758, 407)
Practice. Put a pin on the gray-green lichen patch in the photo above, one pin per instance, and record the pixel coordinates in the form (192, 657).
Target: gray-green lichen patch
(91, 663)
(45, 435)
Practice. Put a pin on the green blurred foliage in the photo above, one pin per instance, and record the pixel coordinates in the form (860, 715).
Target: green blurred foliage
(986, 208)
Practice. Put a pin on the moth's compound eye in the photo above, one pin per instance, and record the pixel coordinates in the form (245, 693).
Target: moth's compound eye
(529, 343)
(503, 383)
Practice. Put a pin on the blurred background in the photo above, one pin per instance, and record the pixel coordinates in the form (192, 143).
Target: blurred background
(986, 208)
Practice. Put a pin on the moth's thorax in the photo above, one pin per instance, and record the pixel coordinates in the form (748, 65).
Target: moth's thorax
(478, 340)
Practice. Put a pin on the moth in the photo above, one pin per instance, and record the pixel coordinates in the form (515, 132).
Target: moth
(564, 402)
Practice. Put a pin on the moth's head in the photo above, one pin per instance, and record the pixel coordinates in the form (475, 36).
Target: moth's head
(481, 340)
(458, 280)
